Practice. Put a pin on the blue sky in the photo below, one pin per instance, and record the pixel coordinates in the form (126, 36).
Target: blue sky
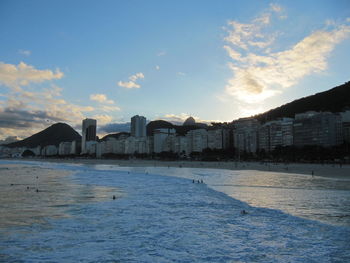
(214, 60)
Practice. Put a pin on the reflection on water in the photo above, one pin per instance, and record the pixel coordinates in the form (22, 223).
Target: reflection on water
(317, 198)
(30, 194)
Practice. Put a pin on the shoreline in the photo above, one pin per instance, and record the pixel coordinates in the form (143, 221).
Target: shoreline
(322, 170)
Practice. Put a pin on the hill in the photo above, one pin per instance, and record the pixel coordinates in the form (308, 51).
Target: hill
(53, 135)
(158, 124)
(180, 129)
(334, 100)
(115, 135)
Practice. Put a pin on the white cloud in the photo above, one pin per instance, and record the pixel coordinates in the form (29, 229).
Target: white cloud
(25, 52)
(176, 118)
(14, 76)
(132, 83)
(108, 108)
(181, 73)
(103, 119)
(259, 73)
(275, 7)
(161, 53)
(157, 67)
(101, 98)
(26, 112)
(180, 118)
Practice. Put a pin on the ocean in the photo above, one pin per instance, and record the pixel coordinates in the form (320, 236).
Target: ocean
(168, 215)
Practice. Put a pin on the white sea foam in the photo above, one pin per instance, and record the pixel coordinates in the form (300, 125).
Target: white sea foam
(170, 219)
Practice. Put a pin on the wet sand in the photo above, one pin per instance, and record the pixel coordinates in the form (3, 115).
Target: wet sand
(325, 170)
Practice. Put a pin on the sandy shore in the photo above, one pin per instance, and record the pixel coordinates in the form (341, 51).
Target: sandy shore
(326, 170)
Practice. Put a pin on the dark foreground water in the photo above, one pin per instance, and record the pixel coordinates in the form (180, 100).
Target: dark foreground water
(161, 216)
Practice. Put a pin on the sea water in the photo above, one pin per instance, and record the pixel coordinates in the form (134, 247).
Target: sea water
(162, 216)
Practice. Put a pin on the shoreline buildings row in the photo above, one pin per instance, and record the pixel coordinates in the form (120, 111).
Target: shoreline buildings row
(244, 135)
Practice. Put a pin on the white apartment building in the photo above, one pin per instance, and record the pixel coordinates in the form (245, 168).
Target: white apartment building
(160, 135)
(64, 148)
(180, 144)
(246, 134)
(276, 133)
(90, 147)
(49, 150)
(218, 139)
(197, 140)
(75, 147)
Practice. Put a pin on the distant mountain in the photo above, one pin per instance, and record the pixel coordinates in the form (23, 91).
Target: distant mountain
(53, 135)
(115, 135)
(333, 100)
(158, 124)
(180, 129)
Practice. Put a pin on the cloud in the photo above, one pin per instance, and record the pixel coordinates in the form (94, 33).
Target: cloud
(14, 76)
(101, 98)
(102, 119)
(157, 67)
(108, 108)
(26, 110)
(114, 127)
(181, 73)
(132, 83)
(24, 113)
(178, 119)
(275, 7)
(259, 73)
(161, 53)
(25, 52)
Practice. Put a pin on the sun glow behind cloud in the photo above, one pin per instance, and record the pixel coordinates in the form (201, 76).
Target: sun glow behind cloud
(259, 73)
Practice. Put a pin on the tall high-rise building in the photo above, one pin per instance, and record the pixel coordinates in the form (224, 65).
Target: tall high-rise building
(138, 126)
(317, 128)
(88, 133)
(245, 134)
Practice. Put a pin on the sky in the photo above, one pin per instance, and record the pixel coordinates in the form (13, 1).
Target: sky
(63, 61)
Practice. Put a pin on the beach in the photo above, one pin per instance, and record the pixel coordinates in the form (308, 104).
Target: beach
(161, 215)
(323, 170)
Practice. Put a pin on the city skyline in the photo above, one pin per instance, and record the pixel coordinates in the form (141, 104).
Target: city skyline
(64, 62)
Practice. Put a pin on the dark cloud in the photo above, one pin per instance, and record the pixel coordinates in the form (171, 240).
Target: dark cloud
(115, 127)
(17, 119)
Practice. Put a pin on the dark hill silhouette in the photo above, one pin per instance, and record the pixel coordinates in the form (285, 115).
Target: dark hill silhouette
(115, 135)
(158, 124)
(180, 130)
(53, 135)
(334, 100)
